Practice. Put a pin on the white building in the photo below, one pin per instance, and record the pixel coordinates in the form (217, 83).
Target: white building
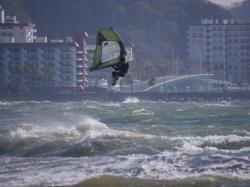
(221, 47)
(12, 31)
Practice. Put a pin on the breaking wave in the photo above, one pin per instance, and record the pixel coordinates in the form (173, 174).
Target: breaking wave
(92, 149)
(55, 144)
(142, 112)
(92, 137)
(131, 100)
(211, 165)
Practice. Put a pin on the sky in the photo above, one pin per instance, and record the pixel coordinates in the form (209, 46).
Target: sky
(226, 2)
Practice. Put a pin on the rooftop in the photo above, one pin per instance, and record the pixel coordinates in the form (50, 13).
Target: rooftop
(208, 22)
(17, 24)
(42, 44)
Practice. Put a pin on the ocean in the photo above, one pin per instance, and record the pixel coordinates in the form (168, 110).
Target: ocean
(133, 143)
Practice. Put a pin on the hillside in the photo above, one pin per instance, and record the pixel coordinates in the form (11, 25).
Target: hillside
(152, 25)
(16, 7)
(242, 11)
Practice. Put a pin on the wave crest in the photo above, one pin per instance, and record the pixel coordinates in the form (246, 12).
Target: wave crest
(131, 100)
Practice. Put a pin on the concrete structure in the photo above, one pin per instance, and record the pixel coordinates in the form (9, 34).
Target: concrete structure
(220, 47)
(81, 60)
(17, 32)
(181, 84)
(12, 31)
(34, 65)
(38, 67)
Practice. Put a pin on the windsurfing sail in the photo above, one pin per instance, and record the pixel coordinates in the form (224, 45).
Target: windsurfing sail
(109, 50)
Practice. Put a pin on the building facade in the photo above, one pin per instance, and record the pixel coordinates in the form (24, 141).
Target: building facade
(220, 47)
(38, 67)
(11, 31)
(35, 65)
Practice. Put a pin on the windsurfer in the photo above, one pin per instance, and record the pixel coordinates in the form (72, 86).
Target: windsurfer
(110, 52)
(121, 70)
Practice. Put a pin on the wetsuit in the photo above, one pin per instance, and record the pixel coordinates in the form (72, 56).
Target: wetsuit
(120, 71)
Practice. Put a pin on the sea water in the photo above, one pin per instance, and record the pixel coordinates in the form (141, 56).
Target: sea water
(129, 143)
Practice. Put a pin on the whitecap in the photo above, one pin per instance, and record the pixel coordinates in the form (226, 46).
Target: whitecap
(131, 100)
(142, 111)
(111, 104)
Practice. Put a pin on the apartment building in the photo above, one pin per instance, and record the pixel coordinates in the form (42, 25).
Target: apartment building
(220, 47)
(11, 31)
(36, 65)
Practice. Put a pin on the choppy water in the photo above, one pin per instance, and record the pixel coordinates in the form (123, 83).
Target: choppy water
(131, 143)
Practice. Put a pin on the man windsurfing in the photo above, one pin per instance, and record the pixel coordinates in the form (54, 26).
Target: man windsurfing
(110, 52)
(121, 69)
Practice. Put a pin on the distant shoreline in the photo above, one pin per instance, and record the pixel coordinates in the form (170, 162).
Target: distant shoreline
(121, 96)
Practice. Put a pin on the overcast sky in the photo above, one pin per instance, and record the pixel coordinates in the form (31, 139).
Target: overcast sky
(226, 2)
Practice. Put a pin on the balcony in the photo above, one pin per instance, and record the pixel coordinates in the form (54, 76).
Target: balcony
(80, 80)
(80, 73)
(79, 52)
(79, 66)
(85, 58)
(79, 59)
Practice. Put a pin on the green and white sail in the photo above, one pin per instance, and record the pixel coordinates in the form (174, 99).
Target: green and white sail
(109, 49)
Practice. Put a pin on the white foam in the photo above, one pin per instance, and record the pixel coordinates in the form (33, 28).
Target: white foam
(213, 140)
(142, 111)
(92, 107)
(179, 109)
(3, 103)
(220, 104)
(131, 100)
(168, 165)
(42, 132)
(67, 171)
(111, 104)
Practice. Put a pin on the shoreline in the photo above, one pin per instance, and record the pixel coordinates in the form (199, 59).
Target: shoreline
(121, 96)
(118, 181)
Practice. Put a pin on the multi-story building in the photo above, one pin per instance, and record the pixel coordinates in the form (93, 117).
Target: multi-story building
(221, 47)
(12, 31)
(38, 67)
(30, 64)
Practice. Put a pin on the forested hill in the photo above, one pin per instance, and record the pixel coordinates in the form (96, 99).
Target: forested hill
(152, 25)
(242, 11)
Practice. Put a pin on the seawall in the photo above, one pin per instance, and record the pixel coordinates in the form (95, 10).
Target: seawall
(121, 96)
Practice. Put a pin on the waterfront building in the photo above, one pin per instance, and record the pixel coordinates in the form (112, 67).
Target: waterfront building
(35, 65)
(220, 47)
(12, 31)
(38, 67)
(81, 60)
